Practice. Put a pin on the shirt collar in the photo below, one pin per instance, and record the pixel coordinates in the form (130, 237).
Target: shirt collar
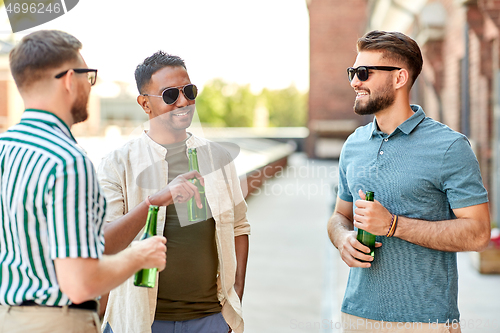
(407, 126)
(48, 118)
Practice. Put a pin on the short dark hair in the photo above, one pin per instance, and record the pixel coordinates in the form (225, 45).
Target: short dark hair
(39, 52)
(395, 46)
(152, 64)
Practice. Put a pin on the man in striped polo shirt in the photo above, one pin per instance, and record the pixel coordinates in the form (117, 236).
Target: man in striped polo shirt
(52, 266)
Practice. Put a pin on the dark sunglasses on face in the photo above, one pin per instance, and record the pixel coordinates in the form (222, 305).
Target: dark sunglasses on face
(170, 95)
(91, 74)
(363, 71)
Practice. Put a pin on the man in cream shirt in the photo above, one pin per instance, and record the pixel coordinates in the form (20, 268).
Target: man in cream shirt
(203, 283)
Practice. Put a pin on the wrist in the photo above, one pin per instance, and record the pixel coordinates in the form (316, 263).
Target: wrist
(158, 200)
(133, 257)
(393, 226)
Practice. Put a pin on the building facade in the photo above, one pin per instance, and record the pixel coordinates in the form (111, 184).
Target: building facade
(335, 25)
(460, 80)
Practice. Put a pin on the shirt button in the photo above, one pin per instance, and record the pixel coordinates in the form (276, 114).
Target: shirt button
(386, 140)
(382, 153)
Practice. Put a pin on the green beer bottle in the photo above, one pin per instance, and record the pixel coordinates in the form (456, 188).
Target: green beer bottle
(196, 214)
(147, 277)
(365, 237)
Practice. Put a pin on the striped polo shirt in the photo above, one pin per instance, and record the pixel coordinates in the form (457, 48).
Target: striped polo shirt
(51, 207)
(422, 170)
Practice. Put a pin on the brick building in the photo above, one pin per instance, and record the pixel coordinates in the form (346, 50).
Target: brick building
(335, 25)
(460, 80)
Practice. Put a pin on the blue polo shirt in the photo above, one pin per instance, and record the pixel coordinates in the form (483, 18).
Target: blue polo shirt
(422, 170)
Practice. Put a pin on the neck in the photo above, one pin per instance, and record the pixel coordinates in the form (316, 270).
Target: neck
(390, 118)
(166, 137)
(53, 105)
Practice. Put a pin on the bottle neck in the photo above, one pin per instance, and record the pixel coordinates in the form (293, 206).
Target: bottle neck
(151, 223)
(193, 161)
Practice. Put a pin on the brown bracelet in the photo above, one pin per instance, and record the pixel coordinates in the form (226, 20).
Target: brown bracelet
(390, 225)
(394, 224)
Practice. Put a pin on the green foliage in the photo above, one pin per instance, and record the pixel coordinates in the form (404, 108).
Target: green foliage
(223, 104)
(287, 107)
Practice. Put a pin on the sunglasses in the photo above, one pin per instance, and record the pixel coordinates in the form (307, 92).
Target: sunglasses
(363, 71)
(91, 74)
(170, 95)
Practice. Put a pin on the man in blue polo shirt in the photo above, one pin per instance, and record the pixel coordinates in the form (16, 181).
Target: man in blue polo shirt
(430, 201)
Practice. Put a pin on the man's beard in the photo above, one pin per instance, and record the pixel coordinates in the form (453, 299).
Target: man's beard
(79, 108)
(376, 103)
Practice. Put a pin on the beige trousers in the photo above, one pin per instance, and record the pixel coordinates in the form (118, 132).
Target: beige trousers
(44, 319)
(351, 324)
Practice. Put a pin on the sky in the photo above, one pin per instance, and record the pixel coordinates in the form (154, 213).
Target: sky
(264, 43)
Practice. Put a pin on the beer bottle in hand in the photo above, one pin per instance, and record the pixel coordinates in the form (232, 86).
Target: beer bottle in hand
(364, 237)
(196, 214)
(147, 277)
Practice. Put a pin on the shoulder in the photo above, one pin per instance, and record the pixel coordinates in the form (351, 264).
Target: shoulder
(118, 161)
(124, 152)
(440, 134)
(361, 133)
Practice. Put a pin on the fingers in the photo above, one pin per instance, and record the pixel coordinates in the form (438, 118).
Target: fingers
(197, 197)
(153, 251)
(362, 194)
(195, 174)
(353, 251)
(360, 249)
(183, 189)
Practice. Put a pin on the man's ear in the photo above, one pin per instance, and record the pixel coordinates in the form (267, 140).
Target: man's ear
(144, 103)
(402, 78)
(68, 80)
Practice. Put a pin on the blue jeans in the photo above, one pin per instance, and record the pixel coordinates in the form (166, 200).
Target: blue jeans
(210, 324)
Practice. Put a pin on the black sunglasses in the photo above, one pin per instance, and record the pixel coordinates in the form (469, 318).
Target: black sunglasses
(91, 73)
(363, 71)
(170, 95)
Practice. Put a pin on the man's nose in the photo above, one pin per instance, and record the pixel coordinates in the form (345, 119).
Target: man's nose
(355, 82)
(182, 100)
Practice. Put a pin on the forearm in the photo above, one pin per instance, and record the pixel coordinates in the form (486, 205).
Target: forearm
(91, 278)
(456, 235)
(86, 278)
(241, 247)
(338, 225)
(121, 232)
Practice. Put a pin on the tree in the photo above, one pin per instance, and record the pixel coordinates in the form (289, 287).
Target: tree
(230, 105)
(226, 105)
(287, 107)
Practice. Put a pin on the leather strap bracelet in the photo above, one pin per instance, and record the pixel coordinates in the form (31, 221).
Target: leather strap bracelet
(392, 228)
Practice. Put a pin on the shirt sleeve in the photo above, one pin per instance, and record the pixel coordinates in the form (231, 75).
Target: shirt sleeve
(111, 184)
(343, 192)
(75, 210)
(241, 225)
(461, 176)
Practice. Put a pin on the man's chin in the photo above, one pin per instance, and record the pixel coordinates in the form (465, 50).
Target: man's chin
(362, 110)
(79, 117)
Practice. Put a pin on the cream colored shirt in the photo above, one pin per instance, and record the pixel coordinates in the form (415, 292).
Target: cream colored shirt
(138, 169)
